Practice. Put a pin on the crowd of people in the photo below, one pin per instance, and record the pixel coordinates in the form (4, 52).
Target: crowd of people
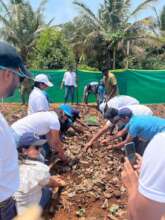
(30, 143)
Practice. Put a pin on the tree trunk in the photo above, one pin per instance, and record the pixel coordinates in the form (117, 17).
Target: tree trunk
(114, 58)
(128, 50)
(24, 53)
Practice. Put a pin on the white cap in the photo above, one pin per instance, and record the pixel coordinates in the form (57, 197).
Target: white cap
(102, 107)
(43, 79)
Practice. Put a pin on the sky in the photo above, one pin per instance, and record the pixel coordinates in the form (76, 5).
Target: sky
(64, 10)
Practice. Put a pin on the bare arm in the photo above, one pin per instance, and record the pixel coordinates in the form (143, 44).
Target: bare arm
(76, 129)
(81, 123)
(122, 143)
(100, 132)
(56, 181)
(56, 144)
(118, 134)
(113, 91)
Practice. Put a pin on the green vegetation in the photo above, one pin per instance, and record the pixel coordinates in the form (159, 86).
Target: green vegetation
(51, 51)
(110, 38)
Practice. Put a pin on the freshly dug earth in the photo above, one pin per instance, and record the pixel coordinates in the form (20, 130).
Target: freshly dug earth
(94, 190)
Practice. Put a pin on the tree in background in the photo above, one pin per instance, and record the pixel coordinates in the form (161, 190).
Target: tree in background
(113, 24)
(155, 52)
(51, 51)
(20, 24)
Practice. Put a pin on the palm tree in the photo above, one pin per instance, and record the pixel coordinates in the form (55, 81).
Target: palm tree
(113, 23)
(21, 24)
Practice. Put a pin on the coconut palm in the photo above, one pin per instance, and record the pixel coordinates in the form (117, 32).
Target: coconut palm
(114, 23)
(20, 24)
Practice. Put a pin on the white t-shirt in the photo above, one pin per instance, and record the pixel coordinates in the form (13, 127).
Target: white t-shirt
(34, 175)
(37, 101)
(69, 79)
(139, 109)
(39, 123)
(9, 171)
(152, 175)
(120, 101)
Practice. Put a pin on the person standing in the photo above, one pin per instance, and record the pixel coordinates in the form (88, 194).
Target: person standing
(11, 71)
(25, 89)
(69, 81)
(110, 83)
(37, 100)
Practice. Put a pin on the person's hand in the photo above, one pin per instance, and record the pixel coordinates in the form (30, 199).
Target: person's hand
(129, 178)
(57, 181)
(110, 147)
(63, 158)
(105, 141)
(87, 146)
(137, 165)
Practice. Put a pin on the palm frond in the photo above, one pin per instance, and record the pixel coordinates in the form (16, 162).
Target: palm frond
(87, 12)
(4, 6)
(141, 7)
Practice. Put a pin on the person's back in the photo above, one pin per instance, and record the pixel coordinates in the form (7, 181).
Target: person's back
(40, 123)
(139, 110)
(145, 127)
(121, 101)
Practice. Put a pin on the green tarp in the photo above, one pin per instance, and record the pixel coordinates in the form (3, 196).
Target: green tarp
(148, 86)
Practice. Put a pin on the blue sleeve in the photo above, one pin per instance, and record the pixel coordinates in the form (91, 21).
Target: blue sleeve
(132, 128)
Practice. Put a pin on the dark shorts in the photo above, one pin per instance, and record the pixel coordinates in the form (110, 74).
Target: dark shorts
(8, 209)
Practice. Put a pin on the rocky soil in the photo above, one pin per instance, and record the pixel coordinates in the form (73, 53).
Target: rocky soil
(94, 190)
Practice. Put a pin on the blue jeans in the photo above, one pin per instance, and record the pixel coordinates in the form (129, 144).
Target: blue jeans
(69, 92)
(46, 197)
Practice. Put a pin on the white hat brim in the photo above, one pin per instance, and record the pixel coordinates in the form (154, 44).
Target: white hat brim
(49, 84)
(39, 142)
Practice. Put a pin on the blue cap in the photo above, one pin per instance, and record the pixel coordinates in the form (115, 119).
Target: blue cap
(125, 112)
(30, 139)
(67, 109)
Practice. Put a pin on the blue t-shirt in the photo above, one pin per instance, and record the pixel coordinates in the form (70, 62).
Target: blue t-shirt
(145, 127)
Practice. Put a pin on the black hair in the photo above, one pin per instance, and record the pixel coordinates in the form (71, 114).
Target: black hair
(111, 113)
(37, 84)
(105, 70)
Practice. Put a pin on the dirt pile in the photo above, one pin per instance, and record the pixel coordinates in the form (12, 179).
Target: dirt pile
(94, 190)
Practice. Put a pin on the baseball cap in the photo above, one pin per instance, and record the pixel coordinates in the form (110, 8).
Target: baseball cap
(9, 58)
(67, 109)
(30, 139)
(42, 78)
(125, 112)
(111, 113)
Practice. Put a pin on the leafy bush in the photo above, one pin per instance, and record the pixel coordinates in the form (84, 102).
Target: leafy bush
(86, 67)
(51, 51)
